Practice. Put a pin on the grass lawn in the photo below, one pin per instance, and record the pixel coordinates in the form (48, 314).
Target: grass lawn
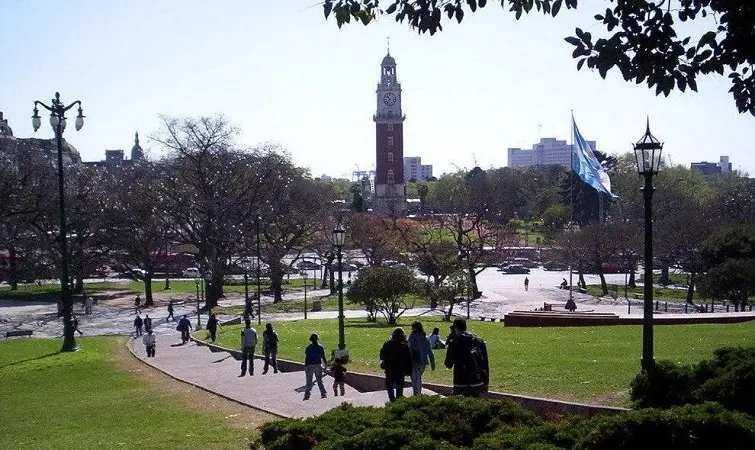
(588, 364)
(659, 293)
(93, 399)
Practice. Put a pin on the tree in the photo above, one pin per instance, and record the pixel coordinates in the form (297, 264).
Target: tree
(374, 236)
(383, 290)
(730, 254)
(643, 39)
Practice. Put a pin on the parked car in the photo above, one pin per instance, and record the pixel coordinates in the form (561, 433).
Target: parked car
(393, 264)
(308, 265)
(515, 269)
(555, 265)
(191, 272)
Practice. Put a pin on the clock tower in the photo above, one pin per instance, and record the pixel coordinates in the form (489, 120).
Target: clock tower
(390, 195)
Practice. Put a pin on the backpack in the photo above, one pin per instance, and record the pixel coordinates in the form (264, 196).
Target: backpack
(477, 363)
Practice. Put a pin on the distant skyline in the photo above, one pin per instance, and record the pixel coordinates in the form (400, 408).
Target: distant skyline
(283, 74)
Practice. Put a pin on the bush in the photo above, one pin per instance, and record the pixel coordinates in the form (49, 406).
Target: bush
(663, 386)
(728, 379)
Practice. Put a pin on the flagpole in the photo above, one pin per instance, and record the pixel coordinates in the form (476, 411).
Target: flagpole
(571, 211)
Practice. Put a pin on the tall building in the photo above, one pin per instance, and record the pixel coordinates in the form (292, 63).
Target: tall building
(117, 158)
(48, 147)
(708, 168)
(390, 195)
(415, 170)
(547, 152)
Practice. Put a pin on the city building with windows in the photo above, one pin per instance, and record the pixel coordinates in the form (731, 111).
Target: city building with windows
(547, 152)
(117, 158)
(49, 147)
(414, 169)
(710, 168)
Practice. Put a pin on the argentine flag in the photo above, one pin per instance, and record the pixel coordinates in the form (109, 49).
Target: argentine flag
(586, 165)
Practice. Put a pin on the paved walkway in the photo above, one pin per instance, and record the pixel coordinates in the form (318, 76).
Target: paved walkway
(281, 394)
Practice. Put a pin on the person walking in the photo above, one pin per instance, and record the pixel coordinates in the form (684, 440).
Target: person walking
(184, 326)
(76, 325)
(150, 340)
(212, 326)
(170, 311)
(396, 362)
(422, 355)
(468, 356)
(248, 342)
(88, 302)
(526, 284)
(147, 323)
(339, 377)
(314, 358)
(435, 341)
(138, 325)
(137, 303)
(270, 348)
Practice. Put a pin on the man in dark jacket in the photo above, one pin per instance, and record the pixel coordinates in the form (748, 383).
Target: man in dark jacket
(468, 356)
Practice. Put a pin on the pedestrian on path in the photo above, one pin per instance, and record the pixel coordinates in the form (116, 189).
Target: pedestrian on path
(248, 342)
(435, 341)
(137, 303)
(76, 325)
(147, 323)
(526, 284)
(138, 322)
(314, 358)
(88, 302)
(339, 376)
(170, 311)
(396, 362)
(468, 356)
(270, 348)
(184, 325)
(150, 341)
(422, 355)
(212, 327)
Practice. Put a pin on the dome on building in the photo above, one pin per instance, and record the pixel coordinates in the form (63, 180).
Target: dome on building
(136, 151)
(388, 60)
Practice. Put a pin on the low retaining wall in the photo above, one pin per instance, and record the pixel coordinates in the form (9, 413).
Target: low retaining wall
(565, 319)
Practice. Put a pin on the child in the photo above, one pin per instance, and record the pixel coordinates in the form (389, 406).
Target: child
(339, 377)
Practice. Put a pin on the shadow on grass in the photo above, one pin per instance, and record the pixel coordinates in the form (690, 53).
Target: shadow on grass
(28, 360)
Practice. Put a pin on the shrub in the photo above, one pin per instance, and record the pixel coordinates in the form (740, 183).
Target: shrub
(691, 427)
(387, 438)
(663, 386)
(729, 379)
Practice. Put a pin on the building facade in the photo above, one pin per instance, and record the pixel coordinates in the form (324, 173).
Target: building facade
(547, 152)
(390, 194)
(48, 147)
(414, 169)
(709, 168)
(117, 158)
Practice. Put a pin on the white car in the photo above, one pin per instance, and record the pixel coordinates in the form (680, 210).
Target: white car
(191, 272)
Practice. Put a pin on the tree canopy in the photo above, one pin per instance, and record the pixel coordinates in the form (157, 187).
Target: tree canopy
(644, 40)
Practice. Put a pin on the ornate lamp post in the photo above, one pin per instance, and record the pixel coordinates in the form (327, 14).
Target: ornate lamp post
(339, 235)
(246, 264)
(305, 275)
(647, 152)
(58, 123)
(259, 271)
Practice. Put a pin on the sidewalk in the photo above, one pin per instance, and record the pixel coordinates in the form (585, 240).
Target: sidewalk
(281, 394)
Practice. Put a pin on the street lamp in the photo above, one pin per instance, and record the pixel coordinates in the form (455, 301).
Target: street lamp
(305, 294)
(647, 152)
(196, 282)
(245, 264)
(58, 123)
(338, 237)
(259, 273)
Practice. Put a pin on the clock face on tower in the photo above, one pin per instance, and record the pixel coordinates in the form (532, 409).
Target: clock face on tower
(390, 99)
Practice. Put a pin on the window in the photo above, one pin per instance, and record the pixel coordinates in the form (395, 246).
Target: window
(390, 141)
(390, 157)
(390, 128)
(390, 177)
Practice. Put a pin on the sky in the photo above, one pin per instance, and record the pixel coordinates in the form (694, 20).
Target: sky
(283, 74)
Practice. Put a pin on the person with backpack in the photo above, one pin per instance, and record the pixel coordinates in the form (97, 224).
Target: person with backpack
(422, 354)
(138, 322)
(467, 354)
(184, 325)
(147, 323)
(248, 342)
(270, 348)
(397, 363)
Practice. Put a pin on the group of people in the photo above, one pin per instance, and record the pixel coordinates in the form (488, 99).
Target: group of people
(249, 343)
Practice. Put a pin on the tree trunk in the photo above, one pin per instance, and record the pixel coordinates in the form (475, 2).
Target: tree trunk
(665, 279)
(213, 291)
(332, 274)
(13, 276)
(691, 287)
(581, 280)
(276, 280)
(603, 285)
(632, 280)
(148, 300)
(473, 284)
(78, 285)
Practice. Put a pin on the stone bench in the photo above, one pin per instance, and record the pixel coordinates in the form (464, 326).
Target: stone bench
(15, 333)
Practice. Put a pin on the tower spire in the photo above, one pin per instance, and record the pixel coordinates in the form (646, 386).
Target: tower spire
(388, 44)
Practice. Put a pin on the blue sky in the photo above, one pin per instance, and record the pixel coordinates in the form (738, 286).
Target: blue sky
(282, 74)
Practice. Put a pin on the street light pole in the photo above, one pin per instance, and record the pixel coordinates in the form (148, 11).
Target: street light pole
(247, 303)
(305, 295)
(259, 272)
(648, 156)
(338, 235)
(58, 122)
